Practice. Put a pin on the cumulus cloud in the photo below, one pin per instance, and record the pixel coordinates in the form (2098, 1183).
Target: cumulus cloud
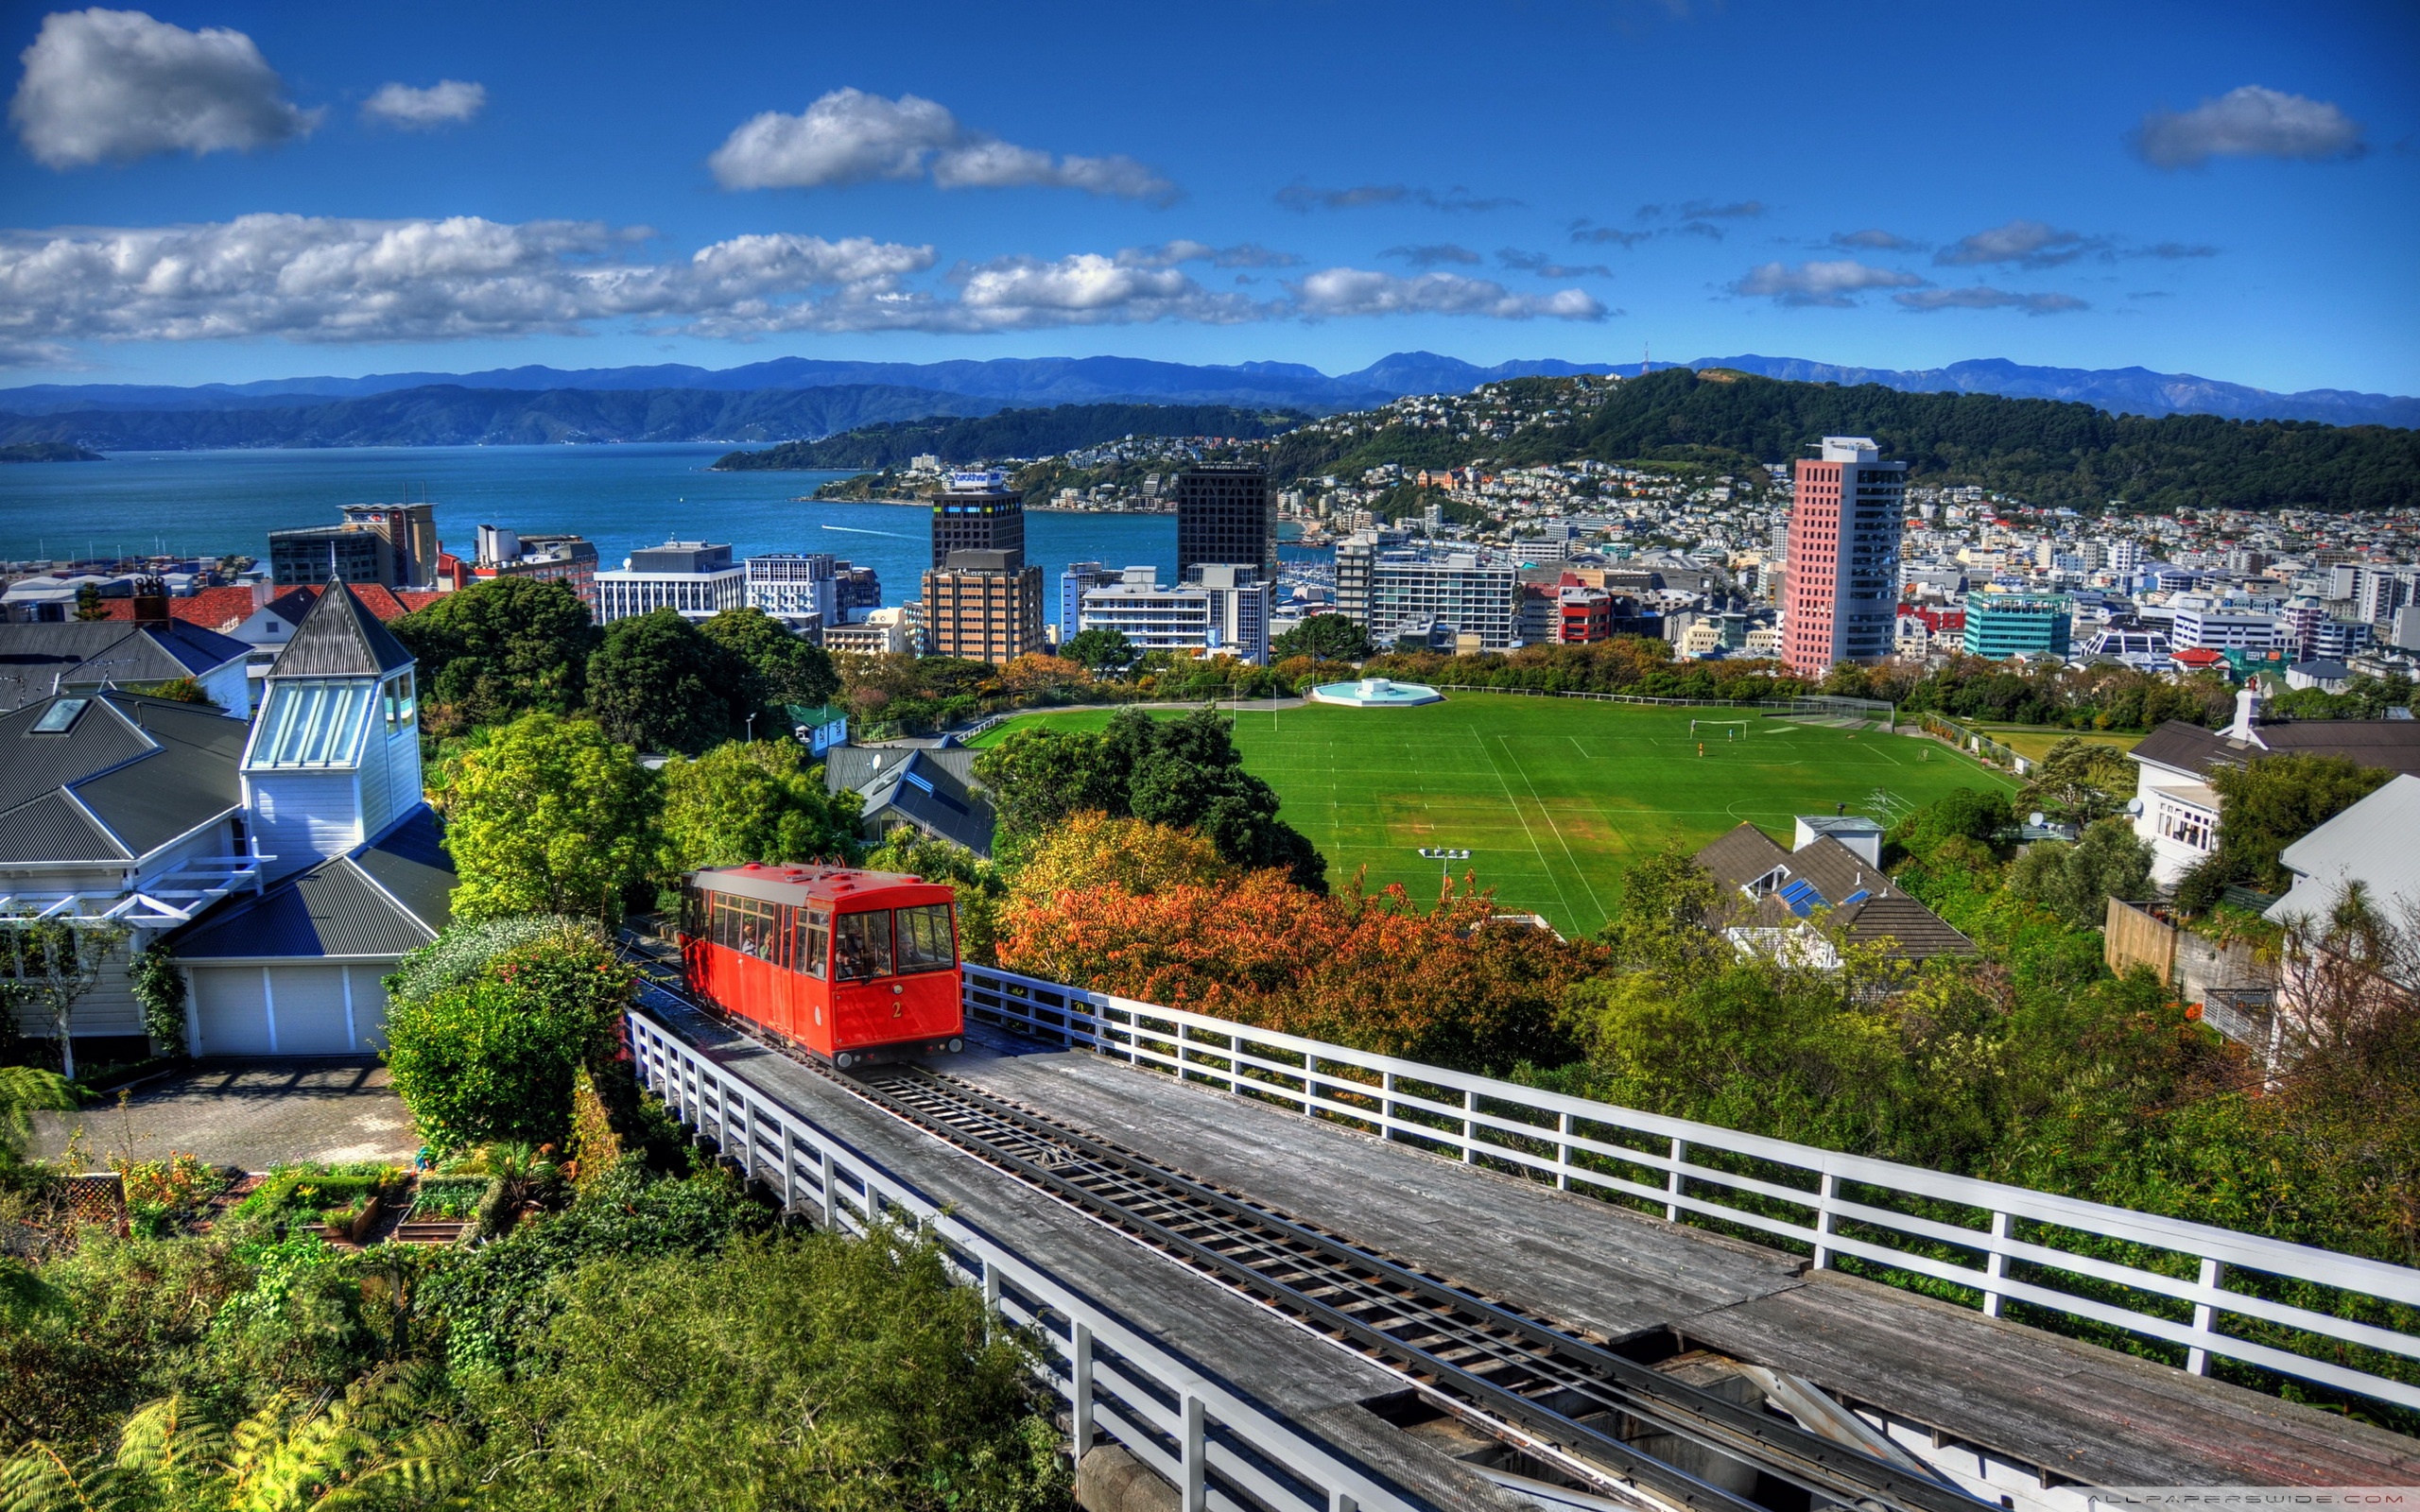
(447, 102)
(1351, 291)
(324, 280)
(117, 85)
(2251, 122)
(1874, 240)
(1924, 301)
(1544, 266)
(849, 136)
(1835, 283)
(1434, 254)
(1303, 198)
(2025, 243)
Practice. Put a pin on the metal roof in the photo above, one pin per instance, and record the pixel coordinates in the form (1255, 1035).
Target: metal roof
(340, 638)
(2376, 842)
(1866, 906)
(337, 908)
(926, 794)
(144, 770)
(2391, 744)
(35, 658)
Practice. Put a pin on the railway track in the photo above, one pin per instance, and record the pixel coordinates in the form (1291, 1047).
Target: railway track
(1563, 1400)
(1573, 1407)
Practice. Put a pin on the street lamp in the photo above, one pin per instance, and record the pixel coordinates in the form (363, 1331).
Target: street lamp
(1444, 859)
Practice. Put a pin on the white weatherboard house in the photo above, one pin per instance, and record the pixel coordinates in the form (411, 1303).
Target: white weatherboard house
(288, 861)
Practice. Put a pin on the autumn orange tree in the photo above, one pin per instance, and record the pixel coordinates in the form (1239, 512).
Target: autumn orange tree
(1449, 984)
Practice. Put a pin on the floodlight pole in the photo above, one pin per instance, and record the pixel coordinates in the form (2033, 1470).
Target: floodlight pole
(1445, 858)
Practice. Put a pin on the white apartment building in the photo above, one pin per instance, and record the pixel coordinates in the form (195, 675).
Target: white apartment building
(1219, 608)
(1410, 588)
(693, 577)
(794, 587)
(2213, 623)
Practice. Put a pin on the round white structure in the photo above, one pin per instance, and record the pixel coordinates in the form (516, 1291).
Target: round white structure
(1376, 692)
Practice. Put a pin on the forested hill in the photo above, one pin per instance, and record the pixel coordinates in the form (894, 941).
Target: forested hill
(2047, 453)
(1024, 433)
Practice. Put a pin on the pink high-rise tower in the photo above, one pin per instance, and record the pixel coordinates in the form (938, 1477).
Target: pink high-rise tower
(1841, 596)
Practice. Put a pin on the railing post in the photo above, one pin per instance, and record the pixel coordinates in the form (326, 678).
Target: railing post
(1470, 1130)
(789, 1166)
(1080, 1388)
(1386, 1105)
(1672, 1178)
(1562, 1154)
(1310, 1093)
(2206, 1316)
(1342, 1502)
(1995, 1264)
(1831, 1189)
(991, 1300)
(831, 1199)
(1194, 1494)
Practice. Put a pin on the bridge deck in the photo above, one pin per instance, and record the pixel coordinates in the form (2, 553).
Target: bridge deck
(1315, 1385)
(2089, 1413)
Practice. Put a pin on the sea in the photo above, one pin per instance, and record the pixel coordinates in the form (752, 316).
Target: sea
(622, 497)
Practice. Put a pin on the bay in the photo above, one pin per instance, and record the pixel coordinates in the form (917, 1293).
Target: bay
(621, 497)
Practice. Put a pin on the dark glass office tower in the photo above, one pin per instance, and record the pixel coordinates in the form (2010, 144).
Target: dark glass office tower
(978, 511)
(1226, 515)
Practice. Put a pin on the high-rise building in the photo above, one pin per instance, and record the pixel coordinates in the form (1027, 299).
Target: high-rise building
(977, 511)
(1840, 600)
(1072, 583)
(1219, 607)
(392, 545)
(1408, 589)
(570, 559)
(984, 606)
(2004, 624)
(794, 587)
(1225, 514)
(693, 577)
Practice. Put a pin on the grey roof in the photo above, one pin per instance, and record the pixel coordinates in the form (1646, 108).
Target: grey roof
(2388, 745)
(1882, 910)
(130, 775)
(858, 768)
(923, 791)
(34, 659)
(346, 906)
(340, 638)
(2376, 842)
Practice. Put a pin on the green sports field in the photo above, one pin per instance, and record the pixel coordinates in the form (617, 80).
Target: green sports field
(1555, 797)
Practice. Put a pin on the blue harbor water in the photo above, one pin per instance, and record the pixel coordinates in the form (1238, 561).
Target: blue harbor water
(621, 497)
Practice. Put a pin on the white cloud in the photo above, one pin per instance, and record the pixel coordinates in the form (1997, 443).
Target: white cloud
(447, 102)
(102, 85)
(1827, 283)
(321, 279)
(2250, 121)
(2026, 243)
(849, 136)
(1874, 240)
(1351, 291)
(1924, 301)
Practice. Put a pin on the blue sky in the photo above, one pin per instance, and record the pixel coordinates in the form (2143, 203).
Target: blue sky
(231, 191)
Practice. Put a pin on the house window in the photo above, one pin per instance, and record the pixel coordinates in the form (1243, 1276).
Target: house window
(311, 724)
(2188, 827)
(400, 702)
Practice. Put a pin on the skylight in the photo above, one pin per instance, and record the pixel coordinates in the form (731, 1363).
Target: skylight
(311, 724)
(55, 719)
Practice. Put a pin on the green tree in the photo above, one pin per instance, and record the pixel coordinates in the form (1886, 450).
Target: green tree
(2076, 882)
(2264, 806)
(493, 1057)
(808, 1370)
(785, 669)
(47, 966)
(2080, 780)
(1099, 650)
(1323, 638)
(551, 817)
(658, 683)
(983, 887)
(88, 602)
(759, 802)
(503, 649)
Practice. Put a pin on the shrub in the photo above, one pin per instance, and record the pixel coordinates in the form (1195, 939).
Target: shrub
(161, 988)
(464, 950)
(448, 1196)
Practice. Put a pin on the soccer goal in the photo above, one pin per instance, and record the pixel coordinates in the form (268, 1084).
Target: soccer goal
(1726, 730)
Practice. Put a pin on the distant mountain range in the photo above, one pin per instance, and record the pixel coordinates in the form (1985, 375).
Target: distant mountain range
(802, 398)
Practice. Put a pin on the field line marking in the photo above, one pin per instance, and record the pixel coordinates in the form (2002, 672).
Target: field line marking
(1544, 865)
(1575, 745)
(1513, 756)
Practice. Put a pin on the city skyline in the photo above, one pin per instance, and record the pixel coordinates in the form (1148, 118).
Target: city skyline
(232, 192)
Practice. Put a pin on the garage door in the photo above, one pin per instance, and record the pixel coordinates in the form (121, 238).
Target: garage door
(288, 1010)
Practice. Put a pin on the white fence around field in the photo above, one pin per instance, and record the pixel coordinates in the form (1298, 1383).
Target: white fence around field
(1828, 1204)
(1810, 704)
(1215, 1445)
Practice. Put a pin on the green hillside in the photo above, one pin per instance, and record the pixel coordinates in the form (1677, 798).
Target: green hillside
(1012, 432)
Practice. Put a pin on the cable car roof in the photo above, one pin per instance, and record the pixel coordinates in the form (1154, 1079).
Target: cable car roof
(838, 887)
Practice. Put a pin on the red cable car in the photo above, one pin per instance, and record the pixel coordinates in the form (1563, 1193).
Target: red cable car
(854, 966)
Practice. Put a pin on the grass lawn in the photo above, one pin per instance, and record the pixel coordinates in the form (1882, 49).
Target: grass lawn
(2033, 742)
(1555, 797)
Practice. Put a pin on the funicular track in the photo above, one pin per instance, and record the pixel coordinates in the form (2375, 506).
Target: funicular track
(1564, 1402)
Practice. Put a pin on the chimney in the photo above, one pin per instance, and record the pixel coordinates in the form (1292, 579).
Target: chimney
(263, 588)
(151, 608)
(2247, 713)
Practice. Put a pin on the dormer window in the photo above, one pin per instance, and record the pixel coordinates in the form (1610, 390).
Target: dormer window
(311, 724)
(399, 703)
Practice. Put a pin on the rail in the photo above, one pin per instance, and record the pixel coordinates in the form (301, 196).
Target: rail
(1825, 1203)
(1220, 1450)
(1810, 704)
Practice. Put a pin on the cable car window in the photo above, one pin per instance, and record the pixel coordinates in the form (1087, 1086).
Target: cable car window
(719, 928)
(925, 943)
(862, 945)
(785, 925)
(814, 942)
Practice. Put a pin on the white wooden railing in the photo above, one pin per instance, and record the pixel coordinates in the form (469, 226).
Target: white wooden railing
(1834, 1208)
(1215, 1445)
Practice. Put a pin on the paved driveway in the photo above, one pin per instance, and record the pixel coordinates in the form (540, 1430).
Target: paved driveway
(255, 1114)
